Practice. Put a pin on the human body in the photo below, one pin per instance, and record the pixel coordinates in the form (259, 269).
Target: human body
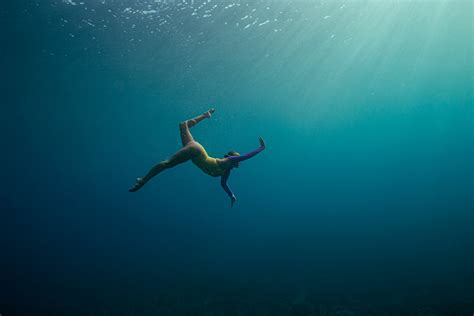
(192, 150)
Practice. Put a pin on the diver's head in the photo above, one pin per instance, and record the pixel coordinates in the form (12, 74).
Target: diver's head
(233, 153)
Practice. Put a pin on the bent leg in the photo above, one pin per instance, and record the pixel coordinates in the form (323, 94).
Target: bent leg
(183, 155)
(184, 127)
(186, 136)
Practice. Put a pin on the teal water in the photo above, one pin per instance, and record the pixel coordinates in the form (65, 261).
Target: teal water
(362, 203)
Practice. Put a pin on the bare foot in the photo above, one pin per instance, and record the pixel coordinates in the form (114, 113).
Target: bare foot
(209, 113)
(137, 185)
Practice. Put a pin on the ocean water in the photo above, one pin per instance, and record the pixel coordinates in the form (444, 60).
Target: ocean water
(361, 204)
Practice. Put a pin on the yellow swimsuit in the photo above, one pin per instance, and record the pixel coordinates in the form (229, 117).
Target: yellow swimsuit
(207, 164)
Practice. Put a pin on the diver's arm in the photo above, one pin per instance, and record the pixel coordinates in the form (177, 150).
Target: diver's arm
(227, 189)
(250, 154)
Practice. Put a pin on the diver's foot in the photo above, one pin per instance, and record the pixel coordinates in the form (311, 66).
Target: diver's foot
(137, 185)
(209, 113)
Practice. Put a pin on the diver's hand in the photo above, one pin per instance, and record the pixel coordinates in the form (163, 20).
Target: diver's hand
(262, 142)
(232, 200)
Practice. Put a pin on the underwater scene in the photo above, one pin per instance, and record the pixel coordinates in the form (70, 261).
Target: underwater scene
(301, 157)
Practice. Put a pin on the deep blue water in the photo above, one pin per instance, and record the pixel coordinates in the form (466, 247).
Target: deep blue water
(362, 203)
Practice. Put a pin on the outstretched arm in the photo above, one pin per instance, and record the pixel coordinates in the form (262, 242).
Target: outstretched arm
(227, 189)
(250, 154)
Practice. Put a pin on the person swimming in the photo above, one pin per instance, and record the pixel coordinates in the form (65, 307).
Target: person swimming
(192, 150)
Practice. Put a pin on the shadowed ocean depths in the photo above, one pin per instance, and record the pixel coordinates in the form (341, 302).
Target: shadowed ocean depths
(361, 204)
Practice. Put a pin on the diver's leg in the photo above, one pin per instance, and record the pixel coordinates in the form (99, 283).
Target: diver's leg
(186, 136)
(184, 127)
(183, 155)
(199, 118)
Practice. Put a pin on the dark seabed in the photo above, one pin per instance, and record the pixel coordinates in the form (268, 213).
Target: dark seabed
(362, 203)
